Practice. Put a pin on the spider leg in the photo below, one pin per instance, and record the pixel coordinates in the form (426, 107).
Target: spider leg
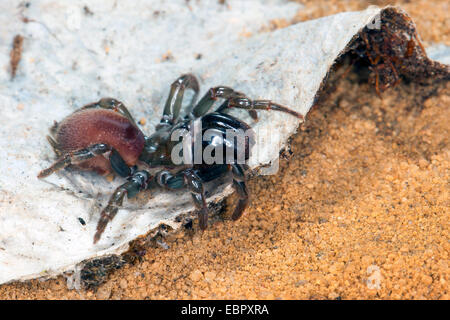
(224, 107)
(75, 157)
(136, 183)
(240, 186)
(190, 179)
(119, 165)
(54, 145)
(395, 73)
(195, 185)
(246, 103)
(174, 100)
(111, 104)
(211, 96)
(235, 99)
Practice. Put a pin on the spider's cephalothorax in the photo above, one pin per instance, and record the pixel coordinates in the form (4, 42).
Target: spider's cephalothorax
(103, 137)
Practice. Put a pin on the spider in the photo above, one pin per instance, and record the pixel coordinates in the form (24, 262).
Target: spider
(103, 137)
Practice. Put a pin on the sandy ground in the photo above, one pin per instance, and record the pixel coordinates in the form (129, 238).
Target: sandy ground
(360, 209)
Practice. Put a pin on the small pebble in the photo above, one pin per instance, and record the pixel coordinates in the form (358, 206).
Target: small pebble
(196, 275)
(104, 292)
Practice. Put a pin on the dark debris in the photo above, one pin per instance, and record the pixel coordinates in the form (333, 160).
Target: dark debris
(16, 54)
(95, 272)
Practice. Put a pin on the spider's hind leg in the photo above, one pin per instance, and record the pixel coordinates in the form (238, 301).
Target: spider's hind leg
(111, 104)
(54, 146)
(74, 157)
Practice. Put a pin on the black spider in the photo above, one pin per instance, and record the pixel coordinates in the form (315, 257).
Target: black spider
(106, 128)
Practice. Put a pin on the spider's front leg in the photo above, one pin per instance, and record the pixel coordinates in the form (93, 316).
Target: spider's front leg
(252, 105)
(235, 99)
(174, 100)
(137, 182)
(206, 102)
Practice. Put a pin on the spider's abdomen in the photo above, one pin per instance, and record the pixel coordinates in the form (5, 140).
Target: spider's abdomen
(91, 126)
